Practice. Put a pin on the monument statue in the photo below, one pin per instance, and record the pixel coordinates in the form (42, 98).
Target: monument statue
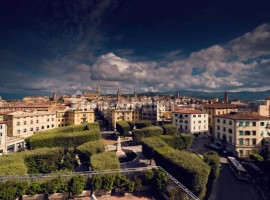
(119, 151)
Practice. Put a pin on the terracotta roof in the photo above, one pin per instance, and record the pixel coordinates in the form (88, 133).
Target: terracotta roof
(190, 112)
(220, 105)
(243, 116)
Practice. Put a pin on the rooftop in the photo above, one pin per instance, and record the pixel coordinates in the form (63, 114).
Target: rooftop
(243, 116)
(220, 106)
(190, 112)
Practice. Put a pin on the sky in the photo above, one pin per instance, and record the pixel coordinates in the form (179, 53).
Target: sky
(133, 45)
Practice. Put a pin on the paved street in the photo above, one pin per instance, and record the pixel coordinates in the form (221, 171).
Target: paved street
(229, 187)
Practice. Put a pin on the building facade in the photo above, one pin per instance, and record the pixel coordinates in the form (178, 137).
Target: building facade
(241, 133)
(24, 124)
(218, 109)
(191, 121)
(121, 115)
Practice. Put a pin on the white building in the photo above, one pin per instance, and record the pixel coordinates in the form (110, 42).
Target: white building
(153, 111)
(9, 144)
(241, 133)
(191, 121)
(24, 124)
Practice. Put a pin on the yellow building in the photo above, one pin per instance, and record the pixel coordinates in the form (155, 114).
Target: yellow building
(62, 118)
(136, 115)
(121, 115)
(218, 109)
(76, 117)
(241, 133)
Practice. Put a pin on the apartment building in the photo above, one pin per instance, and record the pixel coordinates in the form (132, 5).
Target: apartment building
(153, 111)
(9, 144)
(24, 124)
(261, 107)
(25, 107)
(3, 135)
(218, 109)
(76, 117)
(136, 115)
(191, 121)
(121, 115)
(241, 133)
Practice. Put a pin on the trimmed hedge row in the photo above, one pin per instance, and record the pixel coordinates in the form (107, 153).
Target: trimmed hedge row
(138, 134)
(123, 127)
(179, 141)
(169, 129)
(142, 124)
(89, 148)
(212, 159)
(12, 165)
(186, 167)
(54, 138)
(104, 161)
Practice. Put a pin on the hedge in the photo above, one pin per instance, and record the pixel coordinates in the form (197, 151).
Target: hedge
(212, 159)
(190, 170)
(53, 138)
(169, 129)
(88, 149)
(12, 165)
(43, 160)
(179, 141)
(123, 127)
(138, 134)
(104, 161)
(142, 124)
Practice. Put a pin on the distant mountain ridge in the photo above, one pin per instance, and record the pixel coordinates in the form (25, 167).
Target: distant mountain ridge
(243, 96)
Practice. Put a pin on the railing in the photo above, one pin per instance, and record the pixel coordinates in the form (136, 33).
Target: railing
(32, 177)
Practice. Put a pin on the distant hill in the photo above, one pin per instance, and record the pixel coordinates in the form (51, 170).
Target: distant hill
(243, 96)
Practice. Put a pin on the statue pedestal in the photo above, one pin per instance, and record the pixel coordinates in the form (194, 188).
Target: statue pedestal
(119, 152)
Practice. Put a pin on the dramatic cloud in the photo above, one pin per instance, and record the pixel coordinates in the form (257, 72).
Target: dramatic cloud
(232, 66)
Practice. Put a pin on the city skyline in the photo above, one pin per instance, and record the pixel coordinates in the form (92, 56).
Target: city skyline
(138, 46)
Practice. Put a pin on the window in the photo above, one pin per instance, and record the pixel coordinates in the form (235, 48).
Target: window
(186, 115)
(42, 127)
(199, 115)
(247, 132)
(230, 130)
(224, 121)
(218, 128)
(247, 123)
(240, 123)
(37, 128)
(24, 130)
(241, 152)
(24, 122)
(240, 132)
(253, 123)
(253, 132)
(224, 129)
(37, 121)
(31, 122)
(194, 116)
(194, 122)
(218, 120)
(52, 125)
(31, 129)
(254, 142)
(262, 133)
(218, 135)
(48, 119)
(247, 142)
(186, 121)
(240, 141)
(52, 119)
(194, 128)
(230, 122)
(18, 123)
(262, 123)
(199, 122)
(48, 126)
(18, 131)
(230, 139)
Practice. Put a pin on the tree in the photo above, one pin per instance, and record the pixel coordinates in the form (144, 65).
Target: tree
(161, 180)
(77, 184)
